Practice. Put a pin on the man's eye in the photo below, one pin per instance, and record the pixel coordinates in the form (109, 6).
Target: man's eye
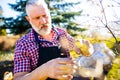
(37, 18)
(45, 16)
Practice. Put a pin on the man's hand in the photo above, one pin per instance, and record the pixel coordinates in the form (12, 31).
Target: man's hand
(85, 47)
(60, 68)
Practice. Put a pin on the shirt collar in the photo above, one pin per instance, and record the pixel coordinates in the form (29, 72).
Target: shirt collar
(54, 37)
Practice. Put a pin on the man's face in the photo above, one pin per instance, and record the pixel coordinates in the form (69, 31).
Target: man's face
(39, 18)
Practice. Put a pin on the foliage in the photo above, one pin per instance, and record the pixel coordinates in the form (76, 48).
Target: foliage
(110, 42)
(114, 73)
(2, 25)
(18, 25)
(63, 16)
(60, 10)
(102, 20)
(3, 31)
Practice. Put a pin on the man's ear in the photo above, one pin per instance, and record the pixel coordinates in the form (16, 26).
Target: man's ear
(28, 19)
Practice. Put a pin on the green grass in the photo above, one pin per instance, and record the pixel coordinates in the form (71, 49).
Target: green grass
(6, 56)
(114, 73)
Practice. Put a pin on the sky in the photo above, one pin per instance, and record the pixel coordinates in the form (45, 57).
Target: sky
(7, 11)
(95, 13)
(91, 9)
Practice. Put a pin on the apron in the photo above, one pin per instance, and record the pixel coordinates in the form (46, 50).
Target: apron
(47, 53)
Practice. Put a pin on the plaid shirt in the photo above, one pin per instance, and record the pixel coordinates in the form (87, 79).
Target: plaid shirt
(26, 51)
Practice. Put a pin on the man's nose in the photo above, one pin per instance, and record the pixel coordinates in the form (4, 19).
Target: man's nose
(42, 20)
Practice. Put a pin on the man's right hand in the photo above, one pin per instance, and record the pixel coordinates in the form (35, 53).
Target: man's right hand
(60, 68)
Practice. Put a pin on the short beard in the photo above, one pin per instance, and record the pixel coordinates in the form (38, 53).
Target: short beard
(42, 31)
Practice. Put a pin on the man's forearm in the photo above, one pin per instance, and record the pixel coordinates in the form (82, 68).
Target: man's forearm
(37, 74)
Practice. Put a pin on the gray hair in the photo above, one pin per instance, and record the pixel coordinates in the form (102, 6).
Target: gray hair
(35, 2)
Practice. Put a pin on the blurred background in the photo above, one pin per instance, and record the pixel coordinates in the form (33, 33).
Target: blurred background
(94, 20)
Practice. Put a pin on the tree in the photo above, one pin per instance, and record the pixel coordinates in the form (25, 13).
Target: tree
(18, 25)
(102, 20)
(2, 30)
(60, 10)
(63, 15)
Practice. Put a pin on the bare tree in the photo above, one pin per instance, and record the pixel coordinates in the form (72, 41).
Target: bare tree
(100, 17)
